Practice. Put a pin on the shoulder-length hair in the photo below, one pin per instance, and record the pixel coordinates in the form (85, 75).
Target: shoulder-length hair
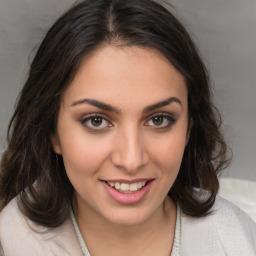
(29, 166)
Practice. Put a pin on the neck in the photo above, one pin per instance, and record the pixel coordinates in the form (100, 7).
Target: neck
(133, 239)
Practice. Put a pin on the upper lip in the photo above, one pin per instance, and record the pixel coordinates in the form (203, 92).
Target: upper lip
(128, 181)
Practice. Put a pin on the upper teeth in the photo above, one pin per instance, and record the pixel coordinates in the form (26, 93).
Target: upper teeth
(125, 187)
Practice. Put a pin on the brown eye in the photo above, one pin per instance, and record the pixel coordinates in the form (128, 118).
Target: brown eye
(161, 121)
(96, 121)
(157, 120)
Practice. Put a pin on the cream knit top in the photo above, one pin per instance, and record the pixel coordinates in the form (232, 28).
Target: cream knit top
(226, 231)
(176, 242)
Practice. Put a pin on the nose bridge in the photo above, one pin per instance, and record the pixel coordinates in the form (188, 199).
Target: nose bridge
(130, 153)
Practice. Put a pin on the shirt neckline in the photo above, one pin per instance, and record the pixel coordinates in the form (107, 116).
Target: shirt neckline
(176, 242)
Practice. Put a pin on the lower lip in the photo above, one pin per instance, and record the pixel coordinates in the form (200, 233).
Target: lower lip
(128, 198)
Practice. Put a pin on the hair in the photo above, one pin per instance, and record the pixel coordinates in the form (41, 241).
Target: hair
(29, 167)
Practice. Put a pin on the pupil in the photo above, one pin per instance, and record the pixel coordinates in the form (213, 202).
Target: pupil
(158, 120)
(96, 121)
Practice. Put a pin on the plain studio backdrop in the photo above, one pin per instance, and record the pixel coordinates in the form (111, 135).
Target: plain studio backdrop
(224, 30)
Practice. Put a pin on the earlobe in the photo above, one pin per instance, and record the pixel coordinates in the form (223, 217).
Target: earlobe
(55, 144)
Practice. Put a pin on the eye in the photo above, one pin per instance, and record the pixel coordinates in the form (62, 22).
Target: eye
(161, 121)
(96, 122)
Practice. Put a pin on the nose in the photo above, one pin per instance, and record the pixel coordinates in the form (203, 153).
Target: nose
(129, 151)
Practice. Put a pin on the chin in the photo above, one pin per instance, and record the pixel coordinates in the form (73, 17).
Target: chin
(128, 217)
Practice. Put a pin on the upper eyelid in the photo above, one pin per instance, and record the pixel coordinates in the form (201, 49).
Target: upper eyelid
(161, 114)
(109, 119)
(87, 116)
(170, 117)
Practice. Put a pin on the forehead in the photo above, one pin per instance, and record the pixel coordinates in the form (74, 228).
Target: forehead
(126, 74)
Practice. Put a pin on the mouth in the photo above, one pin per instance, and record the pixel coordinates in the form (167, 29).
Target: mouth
(127, 188)
(128, 192)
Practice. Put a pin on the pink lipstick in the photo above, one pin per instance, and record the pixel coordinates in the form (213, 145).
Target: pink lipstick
(127, 192)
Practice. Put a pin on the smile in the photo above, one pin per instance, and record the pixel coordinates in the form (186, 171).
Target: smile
(128, 192)
(126, 187)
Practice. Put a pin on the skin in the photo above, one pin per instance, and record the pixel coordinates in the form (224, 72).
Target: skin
(128, 144)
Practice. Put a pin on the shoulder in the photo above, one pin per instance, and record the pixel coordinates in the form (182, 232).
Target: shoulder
(21, 237)
(227, 230)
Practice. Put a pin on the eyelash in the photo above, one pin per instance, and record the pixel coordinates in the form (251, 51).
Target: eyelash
(170, 119)
(90, 118)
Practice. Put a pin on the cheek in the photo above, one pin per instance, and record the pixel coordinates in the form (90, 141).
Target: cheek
(169, 153)
(83, 155)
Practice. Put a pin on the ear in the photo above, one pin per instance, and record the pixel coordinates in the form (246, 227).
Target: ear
(190, 125)
(55, 144)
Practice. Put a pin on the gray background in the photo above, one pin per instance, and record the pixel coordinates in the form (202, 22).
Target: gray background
(224, 30)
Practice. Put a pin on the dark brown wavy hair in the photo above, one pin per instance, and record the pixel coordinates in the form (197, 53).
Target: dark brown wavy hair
(29, 166)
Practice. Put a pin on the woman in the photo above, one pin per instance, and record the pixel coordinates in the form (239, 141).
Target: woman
(114, 147)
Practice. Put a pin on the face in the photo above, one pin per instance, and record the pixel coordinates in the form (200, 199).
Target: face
(122, 130)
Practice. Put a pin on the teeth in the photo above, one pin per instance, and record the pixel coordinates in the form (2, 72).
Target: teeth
(125, 187)
(133, 187)
(117, 185)
(112, 184)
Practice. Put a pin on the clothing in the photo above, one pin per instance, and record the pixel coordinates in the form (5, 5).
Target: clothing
(226, 232)
(176, 242)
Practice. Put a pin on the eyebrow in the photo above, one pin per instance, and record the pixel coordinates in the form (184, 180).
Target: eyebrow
(162, 104)
(110, 108)
(97, 104)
